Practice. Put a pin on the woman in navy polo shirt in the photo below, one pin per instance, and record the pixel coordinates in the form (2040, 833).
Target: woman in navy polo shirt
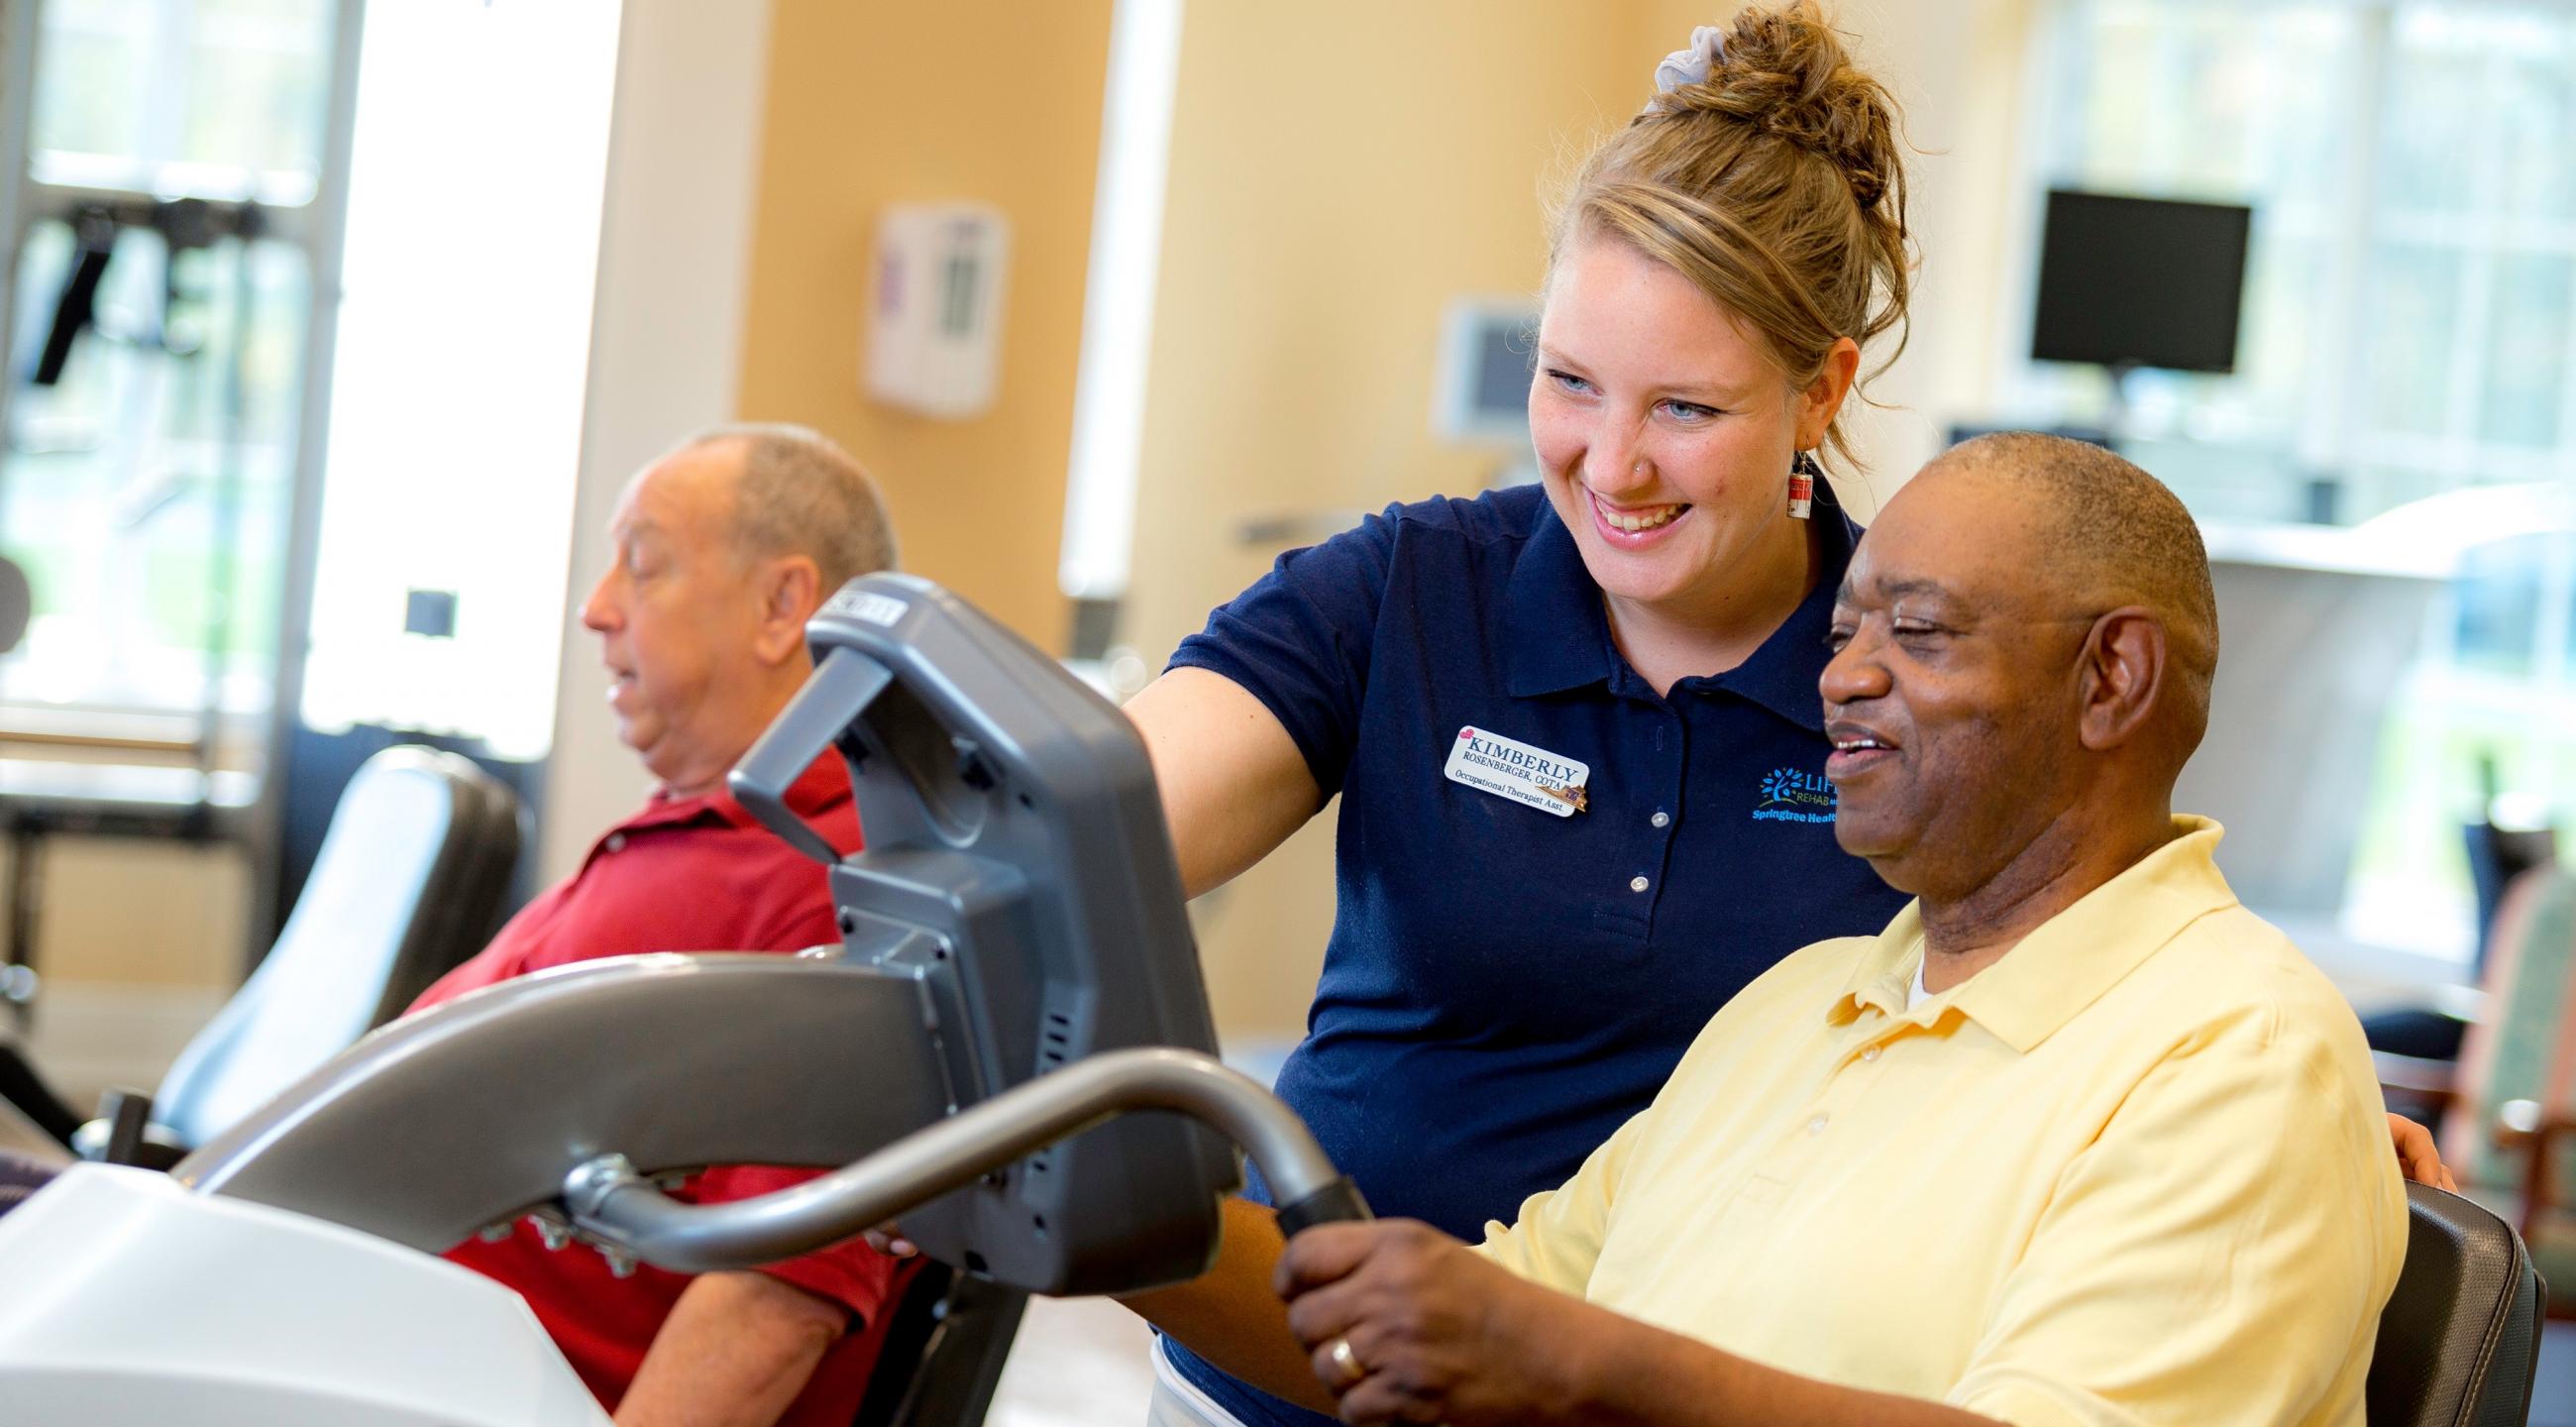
(1574, 726)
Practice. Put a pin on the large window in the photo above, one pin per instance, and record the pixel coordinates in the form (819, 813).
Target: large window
(463, 357)
(148, 492)
(145, 491)
(184, 96)
(2410, 333)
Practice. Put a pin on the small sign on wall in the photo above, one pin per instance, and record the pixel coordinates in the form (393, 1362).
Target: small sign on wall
(935, 312)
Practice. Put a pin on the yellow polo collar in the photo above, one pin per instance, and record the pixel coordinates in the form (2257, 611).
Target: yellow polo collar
(2060, 969)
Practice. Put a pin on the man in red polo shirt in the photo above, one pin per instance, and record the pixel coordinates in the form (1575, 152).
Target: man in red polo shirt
(724, 548)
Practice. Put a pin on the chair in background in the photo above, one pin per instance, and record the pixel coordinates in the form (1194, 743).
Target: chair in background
(2460, 1339)
(408, 884)
(2510, 1099)
(2498, 855)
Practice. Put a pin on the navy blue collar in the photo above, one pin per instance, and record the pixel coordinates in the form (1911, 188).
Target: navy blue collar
(1559, 634)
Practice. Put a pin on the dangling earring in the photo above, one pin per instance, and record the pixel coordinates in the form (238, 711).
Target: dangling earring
(1803, 476)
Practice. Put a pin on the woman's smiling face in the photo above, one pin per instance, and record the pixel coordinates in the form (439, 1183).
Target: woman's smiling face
(1664, 433)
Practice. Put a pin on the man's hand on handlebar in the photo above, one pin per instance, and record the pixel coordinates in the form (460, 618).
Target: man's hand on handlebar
(1405, 1324)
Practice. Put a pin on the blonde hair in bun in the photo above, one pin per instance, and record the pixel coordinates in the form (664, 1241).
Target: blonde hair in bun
(1776, 185)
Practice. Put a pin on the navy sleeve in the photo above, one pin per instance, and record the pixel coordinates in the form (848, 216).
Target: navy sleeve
(1299, 640)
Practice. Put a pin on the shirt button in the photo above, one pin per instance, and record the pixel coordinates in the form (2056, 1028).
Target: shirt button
(1661, 819)
(1870, 1054)
(1636, 884)
(1816, 1126)
(616, 842)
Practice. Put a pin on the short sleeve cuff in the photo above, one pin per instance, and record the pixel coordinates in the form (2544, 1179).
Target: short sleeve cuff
(1200, 652)
(1300, 640)
(853, 1275)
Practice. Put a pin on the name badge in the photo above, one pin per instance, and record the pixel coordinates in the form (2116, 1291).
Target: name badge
(1507, 768)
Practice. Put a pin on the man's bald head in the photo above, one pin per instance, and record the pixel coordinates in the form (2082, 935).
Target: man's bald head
(2025, 641)
(2109, 535)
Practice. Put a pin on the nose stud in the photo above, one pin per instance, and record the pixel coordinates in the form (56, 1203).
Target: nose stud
(1637, 468)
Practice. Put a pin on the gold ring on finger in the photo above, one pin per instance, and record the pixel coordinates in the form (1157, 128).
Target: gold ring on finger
(1346, 1362)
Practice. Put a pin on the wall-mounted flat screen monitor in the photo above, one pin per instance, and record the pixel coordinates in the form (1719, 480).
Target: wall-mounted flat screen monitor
(1480, 391)
(2140, 282)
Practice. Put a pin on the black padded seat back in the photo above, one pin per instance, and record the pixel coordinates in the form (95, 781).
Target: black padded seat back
(467, 885)
(403, 887)
(2460, 1338)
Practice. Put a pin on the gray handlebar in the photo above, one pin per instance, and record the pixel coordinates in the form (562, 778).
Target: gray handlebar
(612, 1204)
(841, 689)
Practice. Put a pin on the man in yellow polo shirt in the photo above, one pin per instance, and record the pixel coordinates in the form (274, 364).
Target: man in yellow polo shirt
(2077, 1140)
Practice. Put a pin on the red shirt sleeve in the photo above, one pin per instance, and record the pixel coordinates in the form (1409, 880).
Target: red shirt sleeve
(850, 1273)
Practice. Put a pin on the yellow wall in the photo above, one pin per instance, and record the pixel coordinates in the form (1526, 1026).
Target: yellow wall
(874, 102)
(1340, 170)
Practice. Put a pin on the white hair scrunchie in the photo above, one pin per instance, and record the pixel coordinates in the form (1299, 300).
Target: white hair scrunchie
(1693, 63)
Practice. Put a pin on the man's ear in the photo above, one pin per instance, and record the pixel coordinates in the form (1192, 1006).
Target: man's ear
(790, 590)
(2121, 676)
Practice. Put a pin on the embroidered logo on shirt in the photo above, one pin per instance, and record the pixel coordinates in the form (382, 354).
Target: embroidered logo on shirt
(1790, 796)
(1508, 768)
